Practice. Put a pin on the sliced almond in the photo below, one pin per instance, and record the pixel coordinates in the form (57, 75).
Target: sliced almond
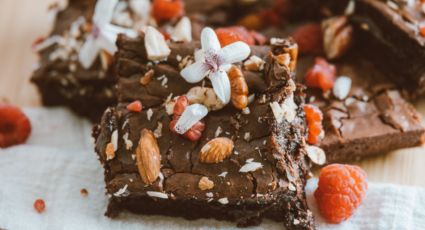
(155, 44)
(183, 31)
(316, 154)
(148, 157)
(205, 183)
(216, 150)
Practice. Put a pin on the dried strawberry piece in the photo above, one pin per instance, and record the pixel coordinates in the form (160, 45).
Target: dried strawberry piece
(135, 106)
(194, 133)
(314, 118)
(39, 205)
(321, 75)
(166, 10)
(309, 38)
(341, 190)
(229, 35)
(15, 126)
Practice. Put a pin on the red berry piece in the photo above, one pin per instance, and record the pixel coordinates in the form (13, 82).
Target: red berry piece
(229, 35)
(314, 118)
(15, 126)
(181, 103)
(135, 106)
(166, 10)
(39, 205)
(258, 37)
(322, 75)
(341, 190)
(309, 38)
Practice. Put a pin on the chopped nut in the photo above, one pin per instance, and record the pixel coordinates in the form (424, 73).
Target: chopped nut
(148, 157)
(216, 150)
(284, 59)
(183, 31)
(342, 87)
(110, 152)
(147, 77)
(316, 154)
(84, 192)
(204, 96)
(254, 63)
(239, 88)
(106, 59)
(337, 36)
(205, 183)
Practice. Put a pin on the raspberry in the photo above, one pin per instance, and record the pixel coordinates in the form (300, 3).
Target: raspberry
(135, 106)
(166, 10)
(309, 38)
(229, 35)
(15, 127)
(314, 118)
(321, 75)
(341, 190)
(39, 205)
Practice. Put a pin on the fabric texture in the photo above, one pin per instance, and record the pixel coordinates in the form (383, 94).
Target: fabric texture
(58, 161)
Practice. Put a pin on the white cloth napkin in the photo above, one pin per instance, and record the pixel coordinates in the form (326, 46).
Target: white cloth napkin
(58, 161)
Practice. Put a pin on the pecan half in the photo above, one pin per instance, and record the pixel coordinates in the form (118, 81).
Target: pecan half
(148, 157)
(239, 88)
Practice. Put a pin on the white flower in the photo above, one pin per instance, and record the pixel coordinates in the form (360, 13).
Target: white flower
(214, 61)
(191, 115)
(103, 35)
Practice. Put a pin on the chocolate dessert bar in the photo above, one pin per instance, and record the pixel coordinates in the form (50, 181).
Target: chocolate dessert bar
(373, 119)
(390, 35)
(247, 165)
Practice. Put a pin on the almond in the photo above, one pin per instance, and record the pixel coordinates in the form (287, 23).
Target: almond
(205, 183)
(216, 150)
(106, 59)
(337, 36)
(239, 88)
(155, 44)
(148, 157)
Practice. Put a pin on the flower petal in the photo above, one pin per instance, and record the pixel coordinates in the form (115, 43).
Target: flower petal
(221, 84)
(106, 41)
(104, 12)
(209, 40)
(235, 52)
(88, 52)
(141, 8)
(119, 30)
(194, 72)
(191, 115)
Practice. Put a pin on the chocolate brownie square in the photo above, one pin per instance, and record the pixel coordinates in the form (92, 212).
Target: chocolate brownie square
(248, 164)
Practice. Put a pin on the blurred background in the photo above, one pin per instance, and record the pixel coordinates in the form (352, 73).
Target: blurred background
(23, 21)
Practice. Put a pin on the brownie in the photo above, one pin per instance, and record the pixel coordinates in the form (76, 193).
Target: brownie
(263, 177)
(373, 119)
(389, 32)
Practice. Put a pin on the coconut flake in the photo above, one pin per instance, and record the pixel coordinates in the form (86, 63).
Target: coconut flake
(149, 114)
(209, 194)
(223, 174)
(128, 142)
(122, 192)
(191, 115)
(287, 110)
(250, 167)
(316, 154)
(156, 46)
(158, 131)
(223, 200)
(183, 31)
(218, 131)
(114, 140)
(342, 87)
(160, 195)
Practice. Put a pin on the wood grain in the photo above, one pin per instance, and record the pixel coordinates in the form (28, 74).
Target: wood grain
(22, 21)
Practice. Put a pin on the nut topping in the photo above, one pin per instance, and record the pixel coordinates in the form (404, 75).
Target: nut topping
(337, 36)
(147, 77)
(205, 183)
(216, 150)
(110, 152)
(205, 96)
(148, 157)
(239, 88)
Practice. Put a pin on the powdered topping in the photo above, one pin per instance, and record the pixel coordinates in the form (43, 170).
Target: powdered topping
(214, 61)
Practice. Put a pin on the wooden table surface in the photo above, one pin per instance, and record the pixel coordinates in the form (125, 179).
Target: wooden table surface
(21, 21)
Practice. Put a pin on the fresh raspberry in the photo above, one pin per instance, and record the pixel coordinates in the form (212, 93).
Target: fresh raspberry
(341, 190)
(166, 10)
(39, 205)
(321, 75)
(314, 118)
(135, 106)
(309, 38)
(15, 126)
(229, 35)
